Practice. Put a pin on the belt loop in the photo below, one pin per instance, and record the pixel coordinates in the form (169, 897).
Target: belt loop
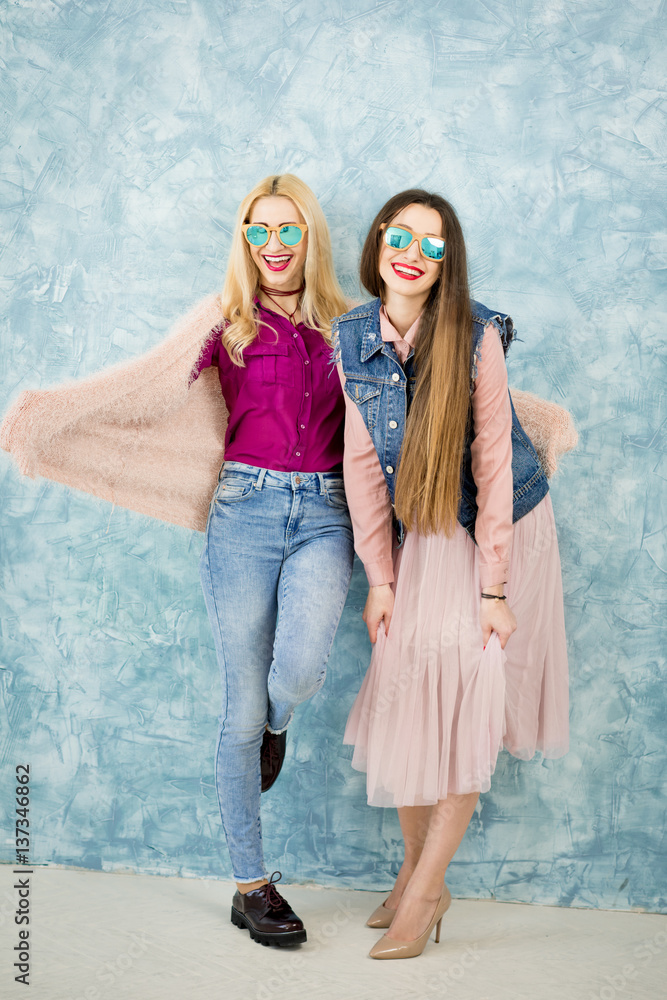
(323, 491)
(222, 467)
(260, 480)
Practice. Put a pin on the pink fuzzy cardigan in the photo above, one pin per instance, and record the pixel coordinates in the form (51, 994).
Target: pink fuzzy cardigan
(141, 435)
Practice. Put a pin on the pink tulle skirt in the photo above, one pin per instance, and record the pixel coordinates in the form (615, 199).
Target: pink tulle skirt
(435, 708)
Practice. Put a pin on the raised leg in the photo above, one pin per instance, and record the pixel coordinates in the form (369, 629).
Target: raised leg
(312, 589)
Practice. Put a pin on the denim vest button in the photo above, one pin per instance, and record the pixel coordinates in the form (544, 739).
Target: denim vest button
(393, 425)
(395, 377)
(390, 469)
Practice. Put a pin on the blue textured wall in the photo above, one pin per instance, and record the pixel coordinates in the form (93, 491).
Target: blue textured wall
(129, 131)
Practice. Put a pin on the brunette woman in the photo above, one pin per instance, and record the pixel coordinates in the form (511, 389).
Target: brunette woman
(432, 444)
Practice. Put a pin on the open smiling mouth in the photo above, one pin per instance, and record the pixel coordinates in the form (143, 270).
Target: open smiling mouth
(407, 271)
(277, 262)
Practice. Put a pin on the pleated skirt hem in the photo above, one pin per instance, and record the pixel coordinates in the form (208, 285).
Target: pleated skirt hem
(435, 707)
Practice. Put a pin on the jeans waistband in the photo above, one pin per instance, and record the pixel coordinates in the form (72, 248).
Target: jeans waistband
(286, 480)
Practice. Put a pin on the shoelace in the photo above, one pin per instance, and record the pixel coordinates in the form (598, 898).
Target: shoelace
(273, 754)
(273, 897)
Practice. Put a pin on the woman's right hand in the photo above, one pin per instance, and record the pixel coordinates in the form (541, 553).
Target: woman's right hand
(379, 607)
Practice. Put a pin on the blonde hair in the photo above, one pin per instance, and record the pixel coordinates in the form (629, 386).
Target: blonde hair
(322, 298)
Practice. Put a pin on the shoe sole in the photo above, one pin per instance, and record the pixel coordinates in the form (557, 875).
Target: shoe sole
(285, 940)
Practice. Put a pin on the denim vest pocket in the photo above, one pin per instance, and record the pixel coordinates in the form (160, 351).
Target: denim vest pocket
(367, 397)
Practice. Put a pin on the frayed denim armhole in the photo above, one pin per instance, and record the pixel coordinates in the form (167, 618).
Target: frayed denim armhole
(505, 329)
(473, 371)
(507, 335)
(476, 358)
(334, 359)
(335, 343)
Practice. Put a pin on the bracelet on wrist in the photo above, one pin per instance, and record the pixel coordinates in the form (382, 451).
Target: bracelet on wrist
(494, 597)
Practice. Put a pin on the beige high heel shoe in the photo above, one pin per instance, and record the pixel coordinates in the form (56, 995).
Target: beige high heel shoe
(387, 948)
(381, 917)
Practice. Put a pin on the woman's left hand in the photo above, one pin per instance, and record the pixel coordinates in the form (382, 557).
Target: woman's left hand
(496, 616)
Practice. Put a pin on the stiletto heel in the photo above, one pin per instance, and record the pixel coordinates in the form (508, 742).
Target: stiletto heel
(386, 947)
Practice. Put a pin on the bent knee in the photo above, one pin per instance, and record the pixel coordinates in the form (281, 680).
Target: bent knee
(295, 690)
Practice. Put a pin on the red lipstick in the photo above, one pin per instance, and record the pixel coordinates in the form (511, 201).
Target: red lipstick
(405, 275)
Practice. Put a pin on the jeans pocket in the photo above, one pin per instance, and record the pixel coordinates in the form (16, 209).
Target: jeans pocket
(335, 496)
(234, 487)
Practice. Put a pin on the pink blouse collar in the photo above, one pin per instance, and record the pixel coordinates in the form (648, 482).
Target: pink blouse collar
(390, 334)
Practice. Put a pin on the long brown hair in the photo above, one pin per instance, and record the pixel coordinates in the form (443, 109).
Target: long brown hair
(429, 473)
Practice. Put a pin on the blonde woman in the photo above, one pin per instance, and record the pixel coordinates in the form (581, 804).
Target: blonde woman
(276, 563)
(432, 436)
(278, 554)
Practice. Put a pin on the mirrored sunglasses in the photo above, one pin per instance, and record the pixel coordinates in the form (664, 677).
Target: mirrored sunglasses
(259, 236)
(400, 238)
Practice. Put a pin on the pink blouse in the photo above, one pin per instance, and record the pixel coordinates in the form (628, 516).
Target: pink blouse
(367, 493)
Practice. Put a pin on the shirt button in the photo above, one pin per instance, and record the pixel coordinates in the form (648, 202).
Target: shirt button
(306, 362)
(295, 335)
(302, 426)
(393, 425)
(298, 454)
(306, 394)
(390, 469)
(395, 377)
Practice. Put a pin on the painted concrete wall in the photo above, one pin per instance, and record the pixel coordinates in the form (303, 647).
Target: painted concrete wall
(129, 131)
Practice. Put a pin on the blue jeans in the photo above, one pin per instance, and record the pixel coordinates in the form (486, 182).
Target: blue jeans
(275, 570)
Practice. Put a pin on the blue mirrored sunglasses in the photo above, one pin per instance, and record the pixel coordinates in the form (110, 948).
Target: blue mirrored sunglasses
(400, 238)
(259, 236)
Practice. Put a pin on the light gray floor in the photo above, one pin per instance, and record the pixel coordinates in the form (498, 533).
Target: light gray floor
(99, 936)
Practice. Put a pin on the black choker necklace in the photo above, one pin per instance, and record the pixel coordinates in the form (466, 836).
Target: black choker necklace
(270, 292)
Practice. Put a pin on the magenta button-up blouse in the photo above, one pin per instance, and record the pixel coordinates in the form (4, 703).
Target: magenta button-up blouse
(286, 406)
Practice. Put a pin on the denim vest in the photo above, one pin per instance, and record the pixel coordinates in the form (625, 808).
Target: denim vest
(383, 389)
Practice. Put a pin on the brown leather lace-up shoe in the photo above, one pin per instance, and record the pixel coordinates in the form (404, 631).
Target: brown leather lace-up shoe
(267, 916)
(271, 757)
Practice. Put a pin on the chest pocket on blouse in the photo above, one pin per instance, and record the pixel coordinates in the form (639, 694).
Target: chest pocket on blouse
(269, 363)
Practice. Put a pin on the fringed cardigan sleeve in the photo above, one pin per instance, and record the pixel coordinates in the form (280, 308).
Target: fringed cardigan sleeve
(141, 434)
